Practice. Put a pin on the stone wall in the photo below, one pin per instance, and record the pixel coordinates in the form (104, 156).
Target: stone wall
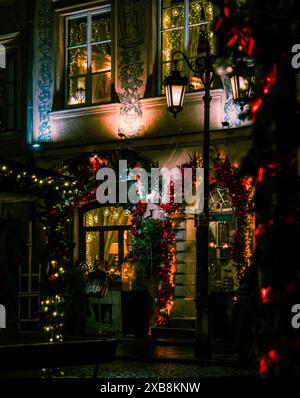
(185, 287)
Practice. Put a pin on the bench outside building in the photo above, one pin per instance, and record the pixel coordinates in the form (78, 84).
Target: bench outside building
(45, 355)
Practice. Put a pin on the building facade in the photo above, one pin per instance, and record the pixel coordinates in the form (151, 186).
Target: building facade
(86, 77)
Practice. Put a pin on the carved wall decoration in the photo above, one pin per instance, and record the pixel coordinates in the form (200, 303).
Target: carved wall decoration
(231, 109)
(131, 22)
(131, 66)
(131, 114)
(44, 68)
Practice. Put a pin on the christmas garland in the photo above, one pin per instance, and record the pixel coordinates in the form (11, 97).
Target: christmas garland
(226, 175)
(163, 280)
(62, 194)
(166, 273)
(241, 191)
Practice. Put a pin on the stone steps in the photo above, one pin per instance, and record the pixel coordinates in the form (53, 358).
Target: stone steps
(172, 333)
(183, 323)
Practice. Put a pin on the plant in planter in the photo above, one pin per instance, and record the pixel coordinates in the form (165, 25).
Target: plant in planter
(80, 284)
(75, 299)
(146, 252)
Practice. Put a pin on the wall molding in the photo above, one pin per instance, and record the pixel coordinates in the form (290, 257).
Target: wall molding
(44, 68)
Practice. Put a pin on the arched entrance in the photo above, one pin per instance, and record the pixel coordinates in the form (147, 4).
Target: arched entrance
(223, 277)
(104, 245)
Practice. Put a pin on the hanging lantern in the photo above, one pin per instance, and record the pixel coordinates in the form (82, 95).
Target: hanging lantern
(175, 86)
(242, 83)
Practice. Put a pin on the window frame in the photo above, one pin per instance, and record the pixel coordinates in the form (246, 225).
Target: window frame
(82, 229)
(101, 230)
(11, 56)
(88, 13)
(14, 45)
(186, 27)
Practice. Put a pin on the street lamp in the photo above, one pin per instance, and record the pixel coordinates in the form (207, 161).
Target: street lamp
(175, 85)
(175, 89)
(242, 81)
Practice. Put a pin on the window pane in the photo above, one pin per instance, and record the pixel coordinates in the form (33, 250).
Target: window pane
(172, 16)
(77, 31)
(200, 11)
(76, 91)
(92, 248)
(92, 218)
(101, 57)
(219, 200)
(197, 35)
(166, 70)
(209, 11)
(107, 216)
(101, 87)
(77, 61)
(114, 253)
(101, 27)
(90, 61)
(196, 12)
(171, 41)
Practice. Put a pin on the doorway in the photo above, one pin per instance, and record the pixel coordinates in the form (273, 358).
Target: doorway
(105, 241)
(105, 238)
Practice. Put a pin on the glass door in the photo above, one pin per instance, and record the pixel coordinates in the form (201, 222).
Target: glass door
(106, 240)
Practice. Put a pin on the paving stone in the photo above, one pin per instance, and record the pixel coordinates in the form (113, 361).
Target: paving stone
(128, 369)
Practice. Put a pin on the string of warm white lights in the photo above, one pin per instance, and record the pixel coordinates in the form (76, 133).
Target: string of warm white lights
(23, 178)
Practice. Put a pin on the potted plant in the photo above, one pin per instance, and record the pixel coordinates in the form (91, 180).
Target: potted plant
(75, 299)
(139, 304)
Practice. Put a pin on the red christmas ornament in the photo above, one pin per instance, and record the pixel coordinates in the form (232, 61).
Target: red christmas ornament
(265, 295)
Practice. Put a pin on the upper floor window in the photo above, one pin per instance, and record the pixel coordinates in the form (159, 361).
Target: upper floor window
(8, 92)
(184, 24)
(88, 57)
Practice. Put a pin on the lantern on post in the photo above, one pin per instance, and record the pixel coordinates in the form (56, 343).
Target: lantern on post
(175, 89)
(242, 83)
(175, 86)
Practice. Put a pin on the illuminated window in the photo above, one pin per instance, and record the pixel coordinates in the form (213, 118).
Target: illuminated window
(88, 57)
(222, 226)
(183, 26)
(106, 237)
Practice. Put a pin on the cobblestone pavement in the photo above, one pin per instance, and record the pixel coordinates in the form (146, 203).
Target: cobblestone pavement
(128, 369)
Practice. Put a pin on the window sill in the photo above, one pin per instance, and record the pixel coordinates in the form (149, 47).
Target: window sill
(84, 110)
(100, 123)
(190, 97)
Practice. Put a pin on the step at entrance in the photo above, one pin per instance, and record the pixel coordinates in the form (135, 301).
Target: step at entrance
(172, 333)
(183, 323)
